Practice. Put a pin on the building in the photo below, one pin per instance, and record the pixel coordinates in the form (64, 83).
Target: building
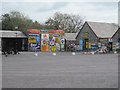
(70, 40)
(97, 34)
(46, 40)
(13, 40)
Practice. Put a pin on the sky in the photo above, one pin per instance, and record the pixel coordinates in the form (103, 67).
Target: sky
(101, 11)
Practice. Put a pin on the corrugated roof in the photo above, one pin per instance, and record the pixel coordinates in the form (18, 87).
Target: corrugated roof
(103, 30)
(12, 34)
(70, 36)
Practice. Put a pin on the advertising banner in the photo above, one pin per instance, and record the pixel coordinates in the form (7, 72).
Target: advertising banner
(51, 31)
(43, 47)
(32, 34)
(34, 46)
(99, 45)
(117, 45)
(45, 37)
(89, 45)
(114, 46)
(34, 31)
(62, 46)
(94, 47)
(60, 31)
(32, 39)
(62, 41)
(43, 31)
(81, 44)
(94, 44)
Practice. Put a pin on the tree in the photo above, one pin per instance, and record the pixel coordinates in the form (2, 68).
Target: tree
(15, 18)
(69, 23)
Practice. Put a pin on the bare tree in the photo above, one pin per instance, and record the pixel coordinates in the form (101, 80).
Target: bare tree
(69, 23)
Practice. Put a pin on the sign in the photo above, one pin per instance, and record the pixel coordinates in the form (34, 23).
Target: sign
(56, 35)
(81, 44)
(43, 31)
(94, 47)
(94, 44)
(51, 31)
(32, 34)
(86, 44)
(45, 36)
(34, 31)
(32, 39)
(62, 41)
(34, 46)
(86, 34)
(89, 45)
(51, 43)
(99, 45)
(43, 47)
(37, 38)
(60, 31)
(62, 46)
(117, 45)
(53, 48)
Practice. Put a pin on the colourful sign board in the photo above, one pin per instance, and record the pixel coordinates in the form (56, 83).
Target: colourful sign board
(43, 47)
(32, 39)
(60, 31)
(34, 31)
(34, 46)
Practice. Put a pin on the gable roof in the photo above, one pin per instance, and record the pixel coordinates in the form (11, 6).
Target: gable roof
(103, 30)
(70, 36)
(12, 34)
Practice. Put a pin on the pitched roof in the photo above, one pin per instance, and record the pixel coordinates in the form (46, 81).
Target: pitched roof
(70, 36)
(12, 34)
(103, 30)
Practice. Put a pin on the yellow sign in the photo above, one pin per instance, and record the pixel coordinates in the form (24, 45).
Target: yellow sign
(86, 44)
(32, 39)
(53, 48)
(89, 45)
(56, 39)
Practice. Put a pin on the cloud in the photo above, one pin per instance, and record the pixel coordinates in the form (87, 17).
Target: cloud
(41, 11)
(60, 0)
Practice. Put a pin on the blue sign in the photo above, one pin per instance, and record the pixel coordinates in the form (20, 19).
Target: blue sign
(94, 47)
(43, 31)
(80, 41)
(81, 44)
(34, 46)
(37, 38)
(31, 34)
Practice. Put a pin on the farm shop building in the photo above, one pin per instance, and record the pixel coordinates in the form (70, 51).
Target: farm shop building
(94, 35)
(46, 40)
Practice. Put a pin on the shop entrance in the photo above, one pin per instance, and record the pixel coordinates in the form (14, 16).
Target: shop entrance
(85, 44)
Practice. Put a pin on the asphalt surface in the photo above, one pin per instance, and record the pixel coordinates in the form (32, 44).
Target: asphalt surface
(61, 71)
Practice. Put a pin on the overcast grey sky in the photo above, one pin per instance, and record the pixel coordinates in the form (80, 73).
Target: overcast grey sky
(41, 11)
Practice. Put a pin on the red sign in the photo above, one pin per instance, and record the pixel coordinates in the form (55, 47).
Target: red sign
(51, 31)
(34, 31)
(94, 44)
(60, 31)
